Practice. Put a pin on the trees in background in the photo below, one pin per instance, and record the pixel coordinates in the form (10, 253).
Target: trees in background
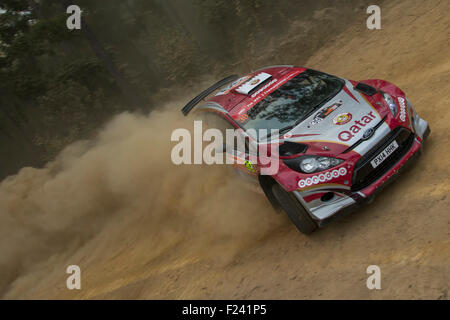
(58, 85)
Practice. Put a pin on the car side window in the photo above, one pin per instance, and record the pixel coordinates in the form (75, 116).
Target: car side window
(214, 120)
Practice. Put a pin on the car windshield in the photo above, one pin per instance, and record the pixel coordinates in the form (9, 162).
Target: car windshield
(293, 102)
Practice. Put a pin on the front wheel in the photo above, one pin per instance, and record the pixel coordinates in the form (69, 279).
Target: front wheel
(294, 209)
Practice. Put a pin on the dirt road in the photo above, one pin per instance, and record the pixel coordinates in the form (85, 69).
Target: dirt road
(142, 228)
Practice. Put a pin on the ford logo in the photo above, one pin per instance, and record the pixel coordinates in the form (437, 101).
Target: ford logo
(368, 134)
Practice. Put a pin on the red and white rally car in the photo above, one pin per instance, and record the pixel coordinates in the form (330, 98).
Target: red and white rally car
(339, 140)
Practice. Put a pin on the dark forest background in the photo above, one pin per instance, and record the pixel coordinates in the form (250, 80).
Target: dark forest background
(59, 85)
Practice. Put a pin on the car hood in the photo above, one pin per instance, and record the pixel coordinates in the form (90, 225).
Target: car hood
(342, 120)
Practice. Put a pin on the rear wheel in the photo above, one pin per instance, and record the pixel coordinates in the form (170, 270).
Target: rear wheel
(294, 209)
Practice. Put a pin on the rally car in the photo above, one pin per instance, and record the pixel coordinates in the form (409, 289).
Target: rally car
(339, 141)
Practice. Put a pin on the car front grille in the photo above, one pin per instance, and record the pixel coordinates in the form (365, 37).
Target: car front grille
(364, 174)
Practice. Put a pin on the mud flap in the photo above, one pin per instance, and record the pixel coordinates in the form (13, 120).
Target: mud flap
(266, 183)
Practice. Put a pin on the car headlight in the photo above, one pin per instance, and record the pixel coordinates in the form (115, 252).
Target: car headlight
(311, 164)
(391, 103)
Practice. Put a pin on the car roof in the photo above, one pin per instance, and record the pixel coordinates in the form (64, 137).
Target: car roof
(241, 95)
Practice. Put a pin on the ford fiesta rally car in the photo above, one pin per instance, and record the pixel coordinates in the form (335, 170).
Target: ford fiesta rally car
(339, 140)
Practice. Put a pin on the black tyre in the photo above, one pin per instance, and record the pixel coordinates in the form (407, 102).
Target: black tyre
(294, 210)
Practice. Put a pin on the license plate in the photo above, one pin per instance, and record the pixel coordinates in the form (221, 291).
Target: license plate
(384, 154)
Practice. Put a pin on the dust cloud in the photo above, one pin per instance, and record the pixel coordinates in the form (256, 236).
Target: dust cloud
(124, 174)
(143, 228)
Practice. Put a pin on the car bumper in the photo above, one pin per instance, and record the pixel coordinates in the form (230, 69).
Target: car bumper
(348, 201)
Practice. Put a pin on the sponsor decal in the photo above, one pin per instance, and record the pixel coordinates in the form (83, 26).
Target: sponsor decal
(323, 177)
(243, 118)
(249, 166)
(264, 88)
(232, 86)
(342, 118)
(248, 86)
(357, 125)
(322, 114)
(402, 116)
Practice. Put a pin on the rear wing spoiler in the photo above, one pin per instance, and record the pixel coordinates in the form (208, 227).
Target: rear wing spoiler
(187, 108)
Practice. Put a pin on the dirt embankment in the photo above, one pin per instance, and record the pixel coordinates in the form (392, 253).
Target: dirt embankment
(140, 227)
